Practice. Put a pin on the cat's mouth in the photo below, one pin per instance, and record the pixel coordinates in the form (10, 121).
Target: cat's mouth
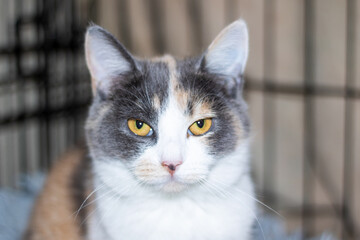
(170, 184)
(176, 184)
(160, 178)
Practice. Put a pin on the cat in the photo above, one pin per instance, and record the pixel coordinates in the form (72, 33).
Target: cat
(168, 144)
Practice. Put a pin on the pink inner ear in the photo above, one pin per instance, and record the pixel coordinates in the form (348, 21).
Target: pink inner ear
(227, 54)
(106, 58)
(91, 66)
(93, 86)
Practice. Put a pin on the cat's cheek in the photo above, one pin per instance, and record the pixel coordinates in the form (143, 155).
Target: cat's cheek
(148, 172)
(197, 161)
(147, 168)
(112, 174)
(199, 148)
(229, 169)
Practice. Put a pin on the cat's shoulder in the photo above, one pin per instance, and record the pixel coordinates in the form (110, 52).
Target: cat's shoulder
(64, 191)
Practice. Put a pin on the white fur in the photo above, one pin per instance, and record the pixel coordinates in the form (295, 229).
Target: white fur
(132, 212)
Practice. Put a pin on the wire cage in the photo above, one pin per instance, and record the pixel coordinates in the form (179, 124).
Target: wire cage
(44, 84)
(306, 124)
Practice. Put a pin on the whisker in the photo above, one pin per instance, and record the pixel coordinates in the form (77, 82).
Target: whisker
(253, 198)
(94, 210)
(116, 199)
(249, 210)
(82, 204)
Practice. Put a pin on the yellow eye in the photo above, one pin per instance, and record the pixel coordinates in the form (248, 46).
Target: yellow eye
(200, 126)
(139, 127)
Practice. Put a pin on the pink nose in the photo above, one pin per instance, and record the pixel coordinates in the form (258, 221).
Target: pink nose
(171, 166)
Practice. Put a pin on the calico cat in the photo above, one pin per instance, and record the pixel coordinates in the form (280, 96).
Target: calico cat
(168, 144)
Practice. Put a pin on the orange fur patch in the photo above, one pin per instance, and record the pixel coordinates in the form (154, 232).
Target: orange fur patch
(202, 109)
(181, 97)
(53, 216)
(148, 171)
(156, 102)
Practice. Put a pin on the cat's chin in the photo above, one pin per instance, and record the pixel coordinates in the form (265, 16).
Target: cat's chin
(173, 187)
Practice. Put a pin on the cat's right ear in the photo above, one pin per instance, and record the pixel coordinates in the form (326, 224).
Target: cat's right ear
(106, 58)
(227, 54)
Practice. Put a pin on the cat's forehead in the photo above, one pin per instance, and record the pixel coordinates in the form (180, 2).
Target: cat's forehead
(167, 77)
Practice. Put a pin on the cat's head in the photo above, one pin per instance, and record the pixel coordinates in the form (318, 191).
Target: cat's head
(167, 124)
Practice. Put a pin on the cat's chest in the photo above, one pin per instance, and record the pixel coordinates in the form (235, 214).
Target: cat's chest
(177, 218)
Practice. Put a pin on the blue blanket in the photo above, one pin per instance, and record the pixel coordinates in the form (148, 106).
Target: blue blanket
(15, 209)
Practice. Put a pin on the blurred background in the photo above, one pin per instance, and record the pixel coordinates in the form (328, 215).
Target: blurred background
(302, 86)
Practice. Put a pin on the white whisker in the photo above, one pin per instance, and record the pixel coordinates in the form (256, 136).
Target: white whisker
(229, 194)
(82, 205)
(253, 198)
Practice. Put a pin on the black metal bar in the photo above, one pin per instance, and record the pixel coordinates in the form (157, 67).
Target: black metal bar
(40, 88)
(21, 128)
(70, 94)
(194, 9)
(251, 84)
(35, 77)
(301, 90)
(269, 108)
(156, 12)
(125, 30)
(311, 212)
(349, 229)
(231, 10)
(309, 114)
(93, 10)
(52, 46)
(75, 96)
(40, 114)
(46, 138)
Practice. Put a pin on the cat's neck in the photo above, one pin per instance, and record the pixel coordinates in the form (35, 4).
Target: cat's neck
(211, 203)
(146, 215)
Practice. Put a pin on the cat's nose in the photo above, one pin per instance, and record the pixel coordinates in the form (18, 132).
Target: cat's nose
(171, 166)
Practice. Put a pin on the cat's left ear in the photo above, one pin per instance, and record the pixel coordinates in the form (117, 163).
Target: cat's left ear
(228, 53)
(107, 59)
